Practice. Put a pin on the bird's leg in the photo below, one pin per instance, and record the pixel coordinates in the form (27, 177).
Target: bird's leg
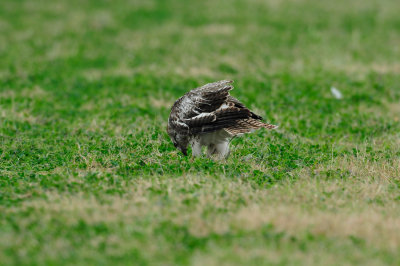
(222, 149)
(196, 148)
(210, 150)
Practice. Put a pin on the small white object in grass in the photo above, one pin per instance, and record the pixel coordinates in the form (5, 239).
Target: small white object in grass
(336, 93)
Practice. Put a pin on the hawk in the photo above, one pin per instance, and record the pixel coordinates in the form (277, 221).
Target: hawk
(209, 116)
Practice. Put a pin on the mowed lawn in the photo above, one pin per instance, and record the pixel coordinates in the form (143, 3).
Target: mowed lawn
(88, 175)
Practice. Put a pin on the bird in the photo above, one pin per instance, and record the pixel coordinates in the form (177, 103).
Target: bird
(209, 116)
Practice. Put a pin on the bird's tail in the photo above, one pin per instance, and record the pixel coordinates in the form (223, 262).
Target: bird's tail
(269, 126)
(248, 125)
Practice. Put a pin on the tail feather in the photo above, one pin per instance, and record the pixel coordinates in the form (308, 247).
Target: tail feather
(248, 125)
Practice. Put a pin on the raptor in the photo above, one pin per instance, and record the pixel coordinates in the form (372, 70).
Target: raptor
(209, 116)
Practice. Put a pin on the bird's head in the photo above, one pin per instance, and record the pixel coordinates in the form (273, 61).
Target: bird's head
(180, 141)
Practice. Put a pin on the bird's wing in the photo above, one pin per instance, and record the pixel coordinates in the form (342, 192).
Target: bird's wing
(232, 116)
(224, 117)
(232, 101)
(200, 119)
(211, 96)
(210, 108)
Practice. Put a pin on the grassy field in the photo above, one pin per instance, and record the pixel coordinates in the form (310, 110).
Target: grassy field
(88, 174)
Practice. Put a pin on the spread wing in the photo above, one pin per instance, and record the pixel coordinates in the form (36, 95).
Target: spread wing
(210, 97)
(210, 108)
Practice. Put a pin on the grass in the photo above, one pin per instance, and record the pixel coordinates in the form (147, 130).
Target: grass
(89, 176)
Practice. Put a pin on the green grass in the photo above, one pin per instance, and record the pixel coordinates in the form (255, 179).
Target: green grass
(88, 174)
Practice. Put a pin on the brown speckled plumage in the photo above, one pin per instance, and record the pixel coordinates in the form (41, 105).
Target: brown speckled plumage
(201, 113)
